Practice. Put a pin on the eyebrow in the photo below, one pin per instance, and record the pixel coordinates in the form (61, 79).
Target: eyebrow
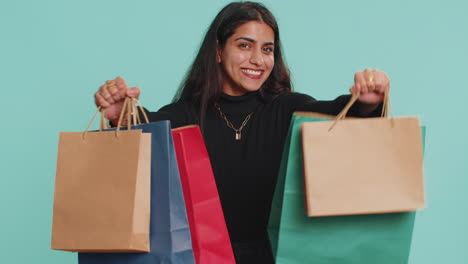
(254, 41)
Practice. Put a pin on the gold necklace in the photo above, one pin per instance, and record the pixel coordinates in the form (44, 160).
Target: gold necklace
(238, 131)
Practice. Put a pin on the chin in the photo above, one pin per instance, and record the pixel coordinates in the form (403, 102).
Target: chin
(251, 89)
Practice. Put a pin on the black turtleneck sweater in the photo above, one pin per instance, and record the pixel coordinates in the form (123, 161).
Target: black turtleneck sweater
(246, 170)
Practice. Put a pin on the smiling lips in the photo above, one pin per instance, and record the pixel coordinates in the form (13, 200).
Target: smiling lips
(251, 73)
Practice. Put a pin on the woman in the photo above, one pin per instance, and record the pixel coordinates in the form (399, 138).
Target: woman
(238, 89)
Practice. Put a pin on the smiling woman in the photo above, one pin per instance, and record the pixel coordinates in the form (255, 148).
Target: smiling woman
(238, 90)
(247, 61)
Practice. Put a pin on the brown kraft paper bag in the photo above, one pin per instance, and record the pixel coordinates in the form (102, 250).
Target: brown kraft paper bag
(102, 192)
(362, 165)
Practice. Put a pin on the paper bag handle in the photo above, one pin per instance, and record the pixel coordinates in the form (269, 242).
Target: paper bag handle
(102, 122)
(128, 108)
(134, 112)
(354, 97)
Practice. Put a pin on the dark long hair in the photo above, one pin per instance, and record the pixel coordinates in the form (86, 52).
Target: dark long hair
(203, 83)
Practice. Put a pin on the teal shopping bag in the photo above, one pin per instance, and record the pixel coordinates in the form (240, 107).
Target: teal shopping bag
(353, 239)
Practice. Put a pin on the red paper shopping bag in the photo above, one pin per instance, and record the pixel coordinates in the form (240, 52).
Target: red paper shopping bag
(210, 238)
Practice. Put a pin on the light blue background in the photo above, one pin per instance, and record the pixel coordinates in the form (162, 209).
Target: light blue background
(55, 54)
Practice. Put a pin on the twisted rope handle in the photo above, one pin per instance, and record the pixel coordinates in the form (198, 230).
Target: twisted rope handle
(129, 110)
(386, 106)
(102, 122)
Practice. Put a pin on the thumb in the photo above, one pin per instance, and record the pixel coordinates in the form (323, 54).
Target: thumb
(354, 89)
(133, 92)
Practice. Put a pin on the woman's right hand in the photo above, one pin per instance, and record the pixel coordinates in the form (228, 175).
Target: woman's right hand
(111, 96)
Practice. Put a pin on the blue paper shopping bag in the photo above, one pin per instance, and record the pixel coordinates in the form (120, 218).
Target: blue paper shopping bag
(170, 240)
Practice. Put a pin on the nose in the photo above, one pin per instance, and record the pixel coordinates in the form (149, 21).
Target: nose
(256, 57)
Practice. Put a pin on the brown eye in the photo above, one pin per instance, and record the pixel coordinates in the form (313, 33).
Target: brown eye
(244, 45)
(267, 49)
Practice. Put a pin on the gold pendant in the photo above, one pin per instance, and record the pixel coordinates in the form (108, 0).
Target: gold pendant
(238, 135)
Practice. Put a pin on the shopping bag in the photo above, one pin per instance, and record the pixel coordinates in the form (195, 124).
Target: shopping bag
(102, 194)
(169, 229)
(363, 165)
(350, 239)
(210, 238)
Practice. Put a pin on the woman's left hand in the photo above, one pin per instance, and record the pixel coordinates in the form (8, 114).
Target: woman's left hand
(372, 85)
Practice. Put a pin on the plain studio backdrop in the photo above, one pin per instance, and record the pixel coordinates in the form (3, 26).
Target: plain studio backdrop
(54, 54)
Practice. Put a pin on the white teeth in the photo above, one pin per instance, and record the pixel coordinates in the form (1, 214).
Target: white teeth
(252, 72)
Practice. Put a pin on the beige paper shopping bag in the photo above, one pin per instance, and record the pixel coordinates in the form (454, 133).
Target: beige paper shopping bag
(102, 192)
(363, 165)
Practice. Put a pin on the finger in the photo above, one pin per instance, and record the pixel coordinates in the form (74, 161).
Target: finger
(353, 89)
(108, 86)
(99, 94)
(366, 72)
(386, 83)
(112, 88)
(370, 80)
(100, 101)
(360, 82)
(133, 92)
(114, 91)
(104, 92)
(121, 86)
(379, 82)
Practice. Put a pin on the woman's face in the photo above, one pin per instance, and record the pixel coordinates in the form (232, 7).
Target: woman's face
(247, 58)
